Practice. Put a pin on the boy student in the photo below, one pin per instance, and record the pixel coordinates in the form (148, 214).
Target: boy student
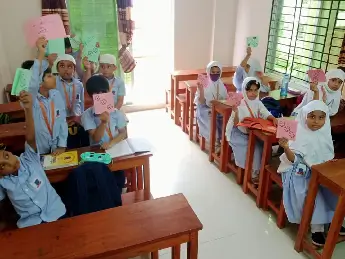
(104, 129)
(24, 180)
(48, 106)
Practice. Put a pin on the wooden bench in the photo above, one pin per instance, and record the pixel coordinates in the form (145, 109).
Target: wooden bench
(13, 109)
(121, 232)
(185, 75)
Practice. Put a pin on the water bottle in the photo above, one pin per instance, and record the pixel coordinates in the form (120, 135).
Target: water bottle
(284, 86)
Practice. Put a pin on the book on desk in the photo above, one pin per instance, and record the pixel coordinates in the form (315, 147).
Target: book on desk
(128, 147)
(66, 159)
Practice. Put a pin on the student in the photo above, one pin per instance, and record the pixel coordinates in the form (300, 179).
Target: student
(250, 67)
(203, 97)
(71, 89)
(24, 180)
(107, 68)
(237, 136)
(27, 64)
(329, 93)
(105, 129)
(48, 107)
(313, 145)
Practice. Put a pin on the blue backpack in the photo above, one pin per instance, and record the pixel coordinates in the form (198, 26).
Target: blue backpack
(273, 106)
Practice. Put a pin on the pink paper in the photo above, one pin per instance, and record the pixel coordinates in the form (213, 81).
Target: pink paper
(317, 75)
(234, 99)
(203, 80)
(103, 102)
(48, 26)
(286, 129)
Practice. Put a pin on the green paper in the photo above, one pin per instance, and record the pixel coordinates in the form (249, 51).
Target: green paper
(21, 81)
(253, 42)
(56, 46)
(75, 42)
(99, 19)
(91, 50)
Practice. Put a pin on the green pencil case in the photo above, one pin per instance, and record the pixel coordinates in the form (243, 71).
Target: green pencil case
(96, 157)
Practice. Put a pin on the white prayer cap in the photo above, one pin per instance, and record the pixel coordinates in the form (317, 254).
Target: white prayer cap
(107, 59)
(65, 57)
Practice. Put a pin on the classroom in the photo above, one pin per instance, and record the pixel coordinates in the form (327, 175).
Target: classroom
(172, 129)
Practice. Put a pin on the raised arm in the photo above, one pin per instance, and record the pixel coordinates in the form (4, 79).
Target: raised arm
(26, 100)
(247, 57)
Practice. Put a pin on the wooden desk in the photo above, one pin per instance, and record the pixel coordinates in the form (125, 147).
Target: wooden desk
(13, 109)
(185, 75)
(139, 162)
(332, 176)
(338, 123)
(225, 110)
(268, 140)
(121, 232)
(191, 87)
(13, 136)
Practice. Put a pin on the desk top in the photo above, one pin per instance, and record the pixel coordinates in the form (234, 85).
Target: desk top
(11, 107)
(12, 130)
(276, 95)
(104, 233)
(200, 71)
(333, 171)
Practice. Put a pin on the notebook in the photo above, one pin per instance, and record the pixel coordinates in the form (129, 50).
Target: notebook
(63, 160)
(129, 147)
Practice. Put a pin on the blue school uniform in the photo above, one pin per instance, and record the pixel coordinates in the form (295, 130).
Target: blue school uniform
(239, 77)
(90, 121)
(74, 104)
(30, 192)
(203, 118)
(53, 108)
(295, 188)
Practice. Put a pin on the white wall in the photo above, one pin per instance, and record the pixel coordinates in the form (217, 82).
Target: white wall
(253, 19)
(203, 31)
(13, 47)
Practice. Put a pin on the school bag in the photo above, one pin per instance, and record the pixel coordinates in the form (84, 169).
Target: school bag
(91, 187)
(273, 106)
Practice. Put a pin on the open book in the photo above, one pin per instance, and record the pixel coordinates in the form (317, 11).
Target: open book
(128, 147)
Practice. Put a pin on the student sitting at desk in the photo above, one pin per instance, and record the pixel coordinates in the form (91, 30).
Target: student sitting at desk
(329, 93)
(250, 67)
(48, 107)
(105, 129)
(24, 180)
(237, 136)
(313, 145)
(203, 97)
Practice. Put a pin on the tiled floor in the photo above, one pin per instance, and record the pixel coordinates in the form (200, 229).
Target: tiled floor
(233, 226)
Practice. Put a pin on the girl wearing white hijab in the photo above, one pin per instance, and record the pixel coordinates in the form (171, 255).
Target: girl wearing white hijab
(237, 136)
(215, 90)
(329, 92)
(313, 145)
(249, 67)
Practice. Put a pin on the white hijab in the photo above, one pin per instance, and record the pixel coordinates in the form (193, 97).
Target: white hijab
(256, 107)
(333, 97)
(315, 147)
(213, 88)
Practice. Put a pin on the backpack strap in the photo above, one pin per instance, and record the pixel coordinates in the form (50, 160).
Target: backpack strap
(250, 110)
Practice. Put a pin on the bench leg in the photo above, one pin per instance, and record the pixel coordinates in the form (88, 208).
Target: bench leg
(155, 255)
(176, 252)
(192, 246)
(281, 220)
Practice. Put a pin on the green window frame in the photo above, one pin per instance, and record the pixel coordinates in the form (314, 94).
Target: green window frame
(303, 35)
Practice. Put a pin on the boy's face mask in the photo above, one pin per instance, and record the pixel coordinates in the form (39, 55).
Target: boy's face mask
(214, 77)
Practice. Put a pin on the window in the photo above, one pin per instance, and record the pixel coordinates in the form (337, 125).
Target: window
(304, 34)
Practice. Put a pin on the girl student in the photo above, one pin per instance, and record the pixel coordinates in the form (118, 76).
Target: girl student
(329, 93)
(237, 136)
(215, 90)
(250, 67)
(313, 145)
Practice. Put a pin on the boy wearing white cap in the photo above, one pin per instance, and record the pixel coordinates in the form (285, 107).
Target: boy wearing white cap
(71, 89)
(107, 68)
